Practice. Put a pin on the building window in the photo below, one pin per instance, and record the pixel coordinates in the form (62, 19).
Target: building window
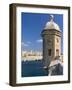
(49, 52)
(57, 52)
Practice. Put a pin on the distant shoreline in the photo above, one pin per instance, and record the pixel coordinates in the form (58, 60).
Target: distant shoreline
(32, 60)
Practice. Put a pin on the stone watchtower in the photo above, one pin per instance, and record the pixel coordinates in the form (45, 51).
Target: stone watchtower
(51, 35)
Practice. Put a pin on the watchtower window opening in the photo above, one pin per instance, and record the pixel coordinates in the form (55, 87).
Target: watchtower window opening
(49, 52)
(57, 52)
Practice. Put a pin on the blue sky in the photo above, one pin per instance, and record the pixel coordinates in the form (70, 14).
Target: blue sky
(32, 26)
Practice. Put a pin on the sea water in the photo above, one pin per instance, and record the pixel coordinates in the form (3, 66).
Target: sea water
(33, 68)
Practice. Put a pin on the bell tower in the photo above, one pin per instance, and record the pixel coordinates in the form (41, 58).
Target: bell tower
(51, 35)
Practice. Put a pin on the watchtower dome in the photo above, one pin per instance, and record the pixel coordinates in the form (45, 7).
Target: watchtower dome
(51, 35)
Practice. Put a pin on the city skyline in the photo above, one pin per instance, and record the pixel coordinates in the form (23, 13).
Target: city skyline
(32, 25)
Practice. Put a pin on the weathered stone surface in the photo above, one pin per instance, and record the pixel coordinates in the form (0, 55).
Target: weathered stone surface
(56, 70)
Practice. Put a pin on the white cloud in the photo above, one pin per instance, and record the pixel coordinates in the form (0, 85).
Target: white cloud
(39, 41)
(29, 42)
(24, 44)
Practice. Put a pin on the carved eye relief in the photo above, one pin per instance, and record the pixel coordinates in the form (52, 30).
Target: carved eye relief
(49, 41)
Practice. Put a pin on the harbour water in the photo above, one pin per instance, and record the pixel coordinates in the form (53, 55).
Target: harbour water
(33, 68)
(36, 68)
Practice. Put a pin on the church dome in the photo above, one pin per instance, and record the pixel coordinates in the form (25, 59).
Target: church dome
(52, 25)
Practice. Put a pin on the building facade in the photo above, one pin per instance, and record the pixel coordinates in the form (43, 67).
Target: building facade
(31, 55)
(51, 36)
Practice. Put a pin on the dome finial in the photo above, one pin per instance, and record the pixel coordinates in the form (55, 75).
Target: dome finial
(51, 17)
